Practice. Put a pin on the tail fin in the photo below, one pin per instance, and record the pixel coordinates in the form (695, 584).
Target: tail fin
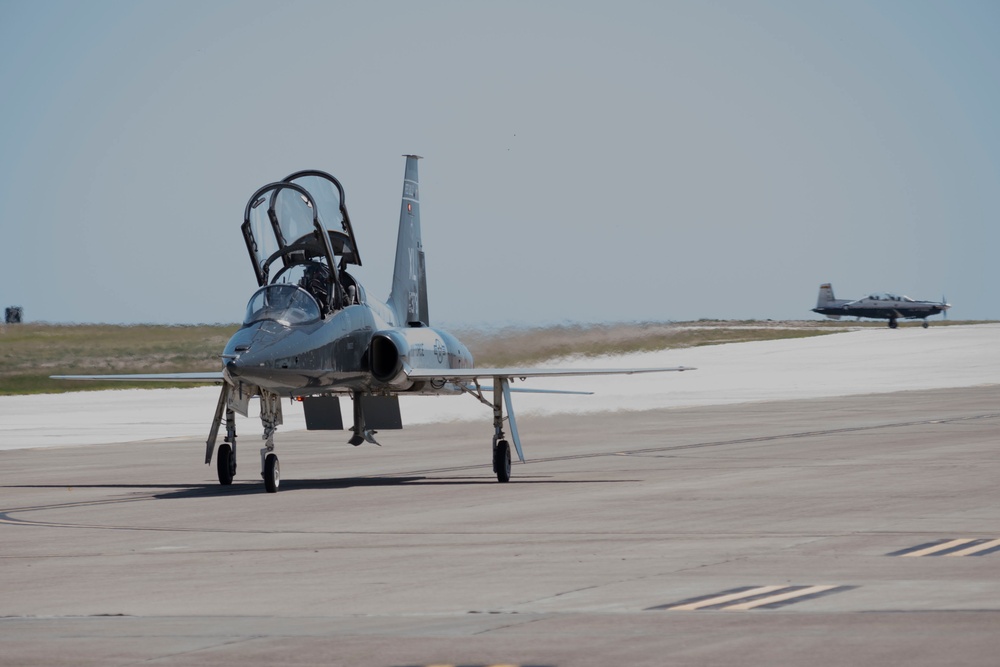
(825, 295)
(408, 298)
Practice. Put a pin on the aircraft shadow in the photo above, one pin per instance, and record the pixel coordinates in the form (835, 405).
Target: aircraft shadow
(249, 487)
(294, 485)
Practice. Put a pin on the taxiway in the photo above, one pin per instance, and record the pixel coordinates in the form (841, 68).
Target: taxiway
(689, 519)
(829, 531)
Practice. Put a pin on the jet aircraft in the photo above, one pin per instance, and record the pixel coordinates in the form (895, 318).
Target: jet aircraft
(312, 333)
(877, 306)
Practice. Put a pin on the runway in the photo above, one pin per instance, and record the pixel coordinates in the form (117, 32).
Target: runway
(835, 531)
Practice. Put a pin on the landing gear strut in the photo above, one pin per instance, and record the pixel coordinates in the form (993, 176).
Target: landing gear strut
(892, 323)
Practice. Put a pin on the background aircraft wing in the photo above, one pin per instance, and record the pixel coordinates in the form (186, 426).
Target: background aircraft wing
(215, 376)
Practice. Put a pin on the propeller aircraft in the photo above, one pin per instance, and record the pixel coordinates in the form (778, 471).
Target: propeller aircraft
(878, 306)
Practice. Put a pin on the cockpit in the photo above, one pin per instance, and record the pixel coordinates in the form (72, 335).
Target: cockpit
(883, 296)
(286, 304)
(300, 240)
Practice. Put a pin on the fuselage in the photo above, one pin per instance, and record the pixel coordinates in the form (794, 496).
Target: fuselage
(882, 308)
(356, 348)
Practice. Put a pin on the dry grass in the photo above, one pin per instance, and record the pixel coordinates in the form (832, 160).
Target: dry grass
(30, 353)
(518, 346)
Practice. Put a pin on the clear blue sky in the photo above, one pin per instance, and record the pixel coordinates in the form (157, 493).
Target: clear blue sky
(584, 162)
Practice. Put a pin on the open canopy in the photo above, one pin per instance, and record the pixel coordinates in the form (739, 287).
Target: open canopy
(298, 231)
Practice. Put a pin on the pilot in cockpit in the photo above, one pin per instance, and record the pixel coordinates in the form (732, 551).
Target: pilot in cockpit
(316, 281)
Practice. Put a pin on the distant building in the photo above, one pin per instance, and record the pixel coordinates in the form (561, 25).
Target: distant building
(13, 315)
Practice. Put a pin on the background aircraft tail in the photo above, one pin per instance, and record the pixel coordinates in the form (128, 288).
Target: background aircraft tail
(826, 297)
(408, 298)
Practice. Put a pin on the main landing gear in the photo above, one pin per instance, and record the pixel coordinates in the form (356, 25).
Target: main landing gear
(501, 459)
(501, 448)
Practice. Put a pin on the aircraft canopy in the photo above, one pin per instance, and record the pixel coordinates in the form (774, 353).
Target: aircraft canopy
(298, 223)
(286, 304)
(883, 296)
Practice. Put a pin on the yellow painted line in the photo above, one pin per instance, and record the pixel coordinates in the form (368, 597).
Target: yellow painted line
(780, 598)
(725, 598)
(938, 547)
(976, 549)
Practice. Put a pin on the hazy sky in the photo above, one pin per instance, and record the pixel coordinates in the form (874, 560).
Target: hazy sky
(584, 161)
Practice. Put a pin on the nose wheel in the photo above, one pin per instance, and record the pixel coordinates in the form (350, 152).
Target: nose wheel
(225, 463)
(272, 473)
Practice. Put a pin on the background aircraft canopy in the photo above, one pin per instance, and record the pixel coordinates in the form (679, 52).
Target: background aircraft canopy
(883, 296)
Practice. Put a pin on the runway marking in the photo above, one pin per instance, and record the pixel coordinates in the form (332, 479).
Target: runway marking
(966, 546)
(753, 597)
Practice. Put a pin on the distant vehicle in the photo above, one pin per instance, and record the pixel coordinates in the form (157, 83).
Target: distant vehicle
(877, 306)
(312, 333)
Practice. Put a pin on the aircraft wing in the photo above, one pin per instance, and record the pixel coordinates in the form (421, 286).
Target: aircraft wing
(465, 374)
(215, 376)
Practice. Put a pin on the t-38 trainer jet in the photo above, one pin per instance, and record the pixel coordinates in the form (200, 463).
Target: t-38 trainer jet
(312, 333)
(877, 306)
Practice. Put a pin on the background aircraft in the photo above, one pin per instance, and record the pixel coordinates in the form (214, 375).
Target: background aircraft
(312, 333)
(877, 306)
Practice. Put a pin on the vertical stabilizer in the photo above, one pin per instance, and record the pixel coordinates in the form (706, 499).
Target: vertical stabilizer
(825, 297)
(408, 298)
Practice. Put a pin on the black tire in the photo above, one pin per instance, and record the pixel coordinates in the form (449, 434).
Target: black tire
(892, 324)
(225, 463)
(501, 461)
(925, 325)
(272, 473)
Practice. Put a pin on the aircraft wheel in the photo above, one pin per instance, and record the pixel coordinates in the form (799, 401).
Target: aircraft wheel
(225, 463)
(501, 461)
(893, 324)
(272, 473)
(925, 325)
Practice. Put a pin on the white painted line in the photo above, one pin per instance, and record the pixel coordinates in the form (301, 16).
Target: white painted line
(726, 598)
(968, 551)
(938, 547)
(812, 590)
